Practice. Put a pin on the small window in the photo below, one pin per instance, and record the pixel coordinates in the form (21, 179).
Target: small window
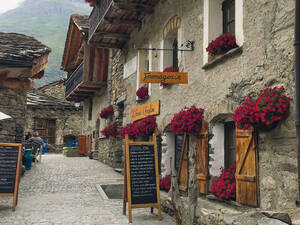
(90, 108)
(175, 54)
(228, 8)
(229, 143)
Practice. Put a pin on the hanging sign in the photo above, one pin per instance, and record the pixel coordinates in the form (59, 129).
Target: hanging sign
(141, 179)
(10, 158)
(164, 77)
(142, 111)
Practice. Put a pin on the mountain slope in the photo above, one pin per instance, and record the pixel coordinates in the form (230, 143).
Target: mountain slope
(46, 20)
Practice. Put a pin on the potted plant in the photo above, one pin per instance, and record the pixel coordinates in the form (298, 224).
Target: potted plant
(221, 44)
(225, 186)
(187, 121)
(110, 130)
(263, 112)
(107, 112)
(142, 93)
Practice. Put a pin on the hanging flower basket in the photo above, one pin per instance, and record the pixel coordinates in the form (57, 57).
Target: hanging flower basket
(142, 129)
(264, 112)
(142, 93)
(107, 112)
(187, 121)
(170, 69)
(110, 130)
(225, 186)
(221, 44)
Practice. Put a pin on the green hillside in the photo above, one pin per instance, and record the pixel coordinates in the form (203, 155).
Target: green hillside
(46, 20)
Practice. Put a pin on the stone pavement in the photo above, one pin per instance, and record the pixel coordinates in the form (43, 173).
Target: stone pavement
(63, 191)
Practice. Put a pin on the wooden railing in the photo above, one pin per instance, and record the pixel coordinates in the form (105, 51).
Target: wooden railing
(75, 79)
(97, 15)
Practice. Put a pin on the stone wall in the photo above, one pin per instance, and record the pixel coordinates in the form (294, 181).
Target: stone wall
(266, 60)
(56, 89)
(12, 103)
(68, 121)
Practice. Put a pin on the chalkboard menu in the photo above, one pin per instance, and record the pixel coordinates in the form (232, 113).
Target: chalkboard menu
(10, 156)
(178, 149)
(8, 168)
(142, 174)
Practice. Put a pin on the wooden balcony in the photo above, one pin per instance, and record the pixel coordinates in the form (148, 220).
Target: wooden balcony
(77, 89)
(112, 21)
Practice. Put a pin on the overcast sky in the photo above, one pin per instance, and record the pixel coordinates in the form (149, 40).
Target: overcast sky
(6, 5)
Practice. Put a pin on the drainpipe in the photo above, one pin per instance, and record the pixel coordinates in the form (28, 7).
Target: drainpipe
(297, 81)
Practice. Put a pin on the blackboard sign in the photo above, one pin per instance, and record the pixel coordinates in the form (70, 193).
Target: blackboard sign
(142, 174)
(141, 181)
(10, 155)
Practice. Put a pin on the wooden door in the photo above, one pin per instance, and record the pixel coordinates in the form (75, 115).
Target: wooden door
(183, 167)
(46, 129)
(246, 167)
(82, 144)
(202, 159)
(51, 131)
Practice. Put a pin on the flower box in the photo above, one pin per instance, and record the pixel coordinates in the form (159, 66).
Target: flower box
(110, 130)
(107, 112)
(142, 93)
(188, 121)
(221, 45)
(263, 112)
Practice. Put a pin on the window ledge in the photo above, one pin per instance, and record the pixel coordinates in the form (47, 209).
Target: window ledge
(142, 99)
(223, 58)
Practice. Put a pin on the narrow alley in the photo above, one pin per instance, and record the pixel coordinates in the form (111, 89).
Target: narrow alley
(65, 191)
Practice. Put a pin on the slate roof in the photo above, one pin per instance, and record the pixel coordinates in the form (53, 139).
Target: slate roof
(19, 50)
(39, 100)
(62, 80)
(81, 21)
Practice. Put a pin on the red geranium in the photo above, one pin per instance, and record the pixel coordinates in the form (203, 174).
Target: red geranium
(221, 44)
(142, 92)
(268, 108)
(91, 2)
(165, 183)
(225, 187)
(145, 127)
(110, 130)
(187, 121)
(107, 112)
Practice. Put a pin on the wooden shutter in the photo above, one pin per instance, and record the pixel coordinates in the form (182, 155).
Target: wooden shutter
(202, 159)
(183, 167)
(246, 168)
(90, 143)
(82, 144)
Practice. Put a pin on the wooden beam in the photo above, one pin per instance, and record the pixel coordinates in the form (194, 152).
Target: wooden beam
(122, 22)
(113, 35)
(149, 9)
(88, 89)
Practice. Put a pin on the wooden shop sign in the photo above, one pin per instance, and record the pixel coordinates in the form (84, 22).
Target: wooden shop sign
(141, 179)
(10, 160)
(164, 77)
(142, 111)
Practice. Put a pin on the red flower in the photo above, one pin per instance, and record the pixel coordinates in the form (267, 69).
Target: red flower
(145, 127)
(107, 112)
(187, 121)
(269, 107)
(142, 92)
(165, 183)
(110, 130)
(221, 44)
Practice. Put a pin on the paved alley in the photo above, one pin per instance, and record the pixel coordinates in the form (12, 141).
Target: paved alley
(64, 191)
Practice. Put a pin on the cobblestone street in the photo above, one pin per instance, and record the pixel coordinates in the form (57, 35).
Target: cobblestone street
(63, 190)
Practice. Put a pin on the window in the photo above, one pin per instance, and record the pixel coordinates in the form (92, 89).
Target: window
(221, 17)
(90, 109)
(229, 143)
(175, 54)
(228, 8)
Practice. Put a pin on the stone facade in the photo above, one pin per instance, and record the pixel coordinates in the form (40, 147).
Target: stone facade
(13, 103)
(55, 89)
(265, 59)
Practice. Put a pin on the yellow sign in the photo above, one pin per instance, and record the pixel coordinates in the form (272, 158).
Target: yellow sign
(164, 77)
(142, 111)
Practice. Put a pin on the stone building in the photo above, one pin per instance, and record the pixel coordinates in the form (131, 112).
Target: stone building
(56, 120)
(22, 59)
(264, 58)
